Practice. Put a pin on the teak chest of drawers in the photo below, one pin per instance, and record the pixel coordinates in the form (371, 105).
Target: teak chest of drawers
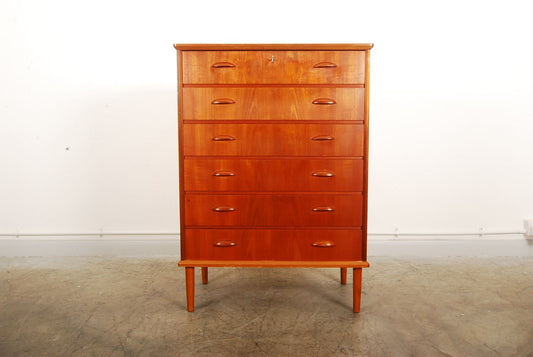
(273, 157)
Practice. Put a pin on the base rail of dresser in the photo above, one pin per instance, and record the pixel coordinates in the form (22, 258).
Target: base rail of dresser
(356, 265)
(274, 263)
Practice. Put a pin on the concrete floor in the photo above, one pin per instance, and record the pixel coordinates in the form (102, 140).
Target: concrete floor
(136, 307)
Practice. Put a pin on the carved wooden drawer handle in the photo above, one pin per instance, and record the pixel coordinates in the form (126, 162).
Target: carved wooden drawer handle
(323, 244)
(323, 209)
(325, 65)
(224, 209)
(223, 101)
(323, 174)
(225, 244)
(223, 138)
(323, 138)
(223, 173)
(324, 101)
(223, 65)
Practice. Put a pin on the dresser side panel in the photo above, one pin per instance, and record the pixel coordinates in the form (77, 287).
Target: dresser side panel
(180, 155)
(366, 157)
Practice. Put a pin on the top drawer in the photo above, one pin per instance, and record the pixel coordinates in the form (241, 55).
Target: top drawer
(270, 67)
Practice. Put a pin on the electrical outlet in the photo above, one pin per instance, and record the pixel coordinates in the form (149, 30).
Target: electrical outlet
(528, 226)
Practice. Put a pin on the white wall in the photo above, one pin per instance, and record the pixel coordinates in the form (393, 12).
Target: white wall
(88, 112)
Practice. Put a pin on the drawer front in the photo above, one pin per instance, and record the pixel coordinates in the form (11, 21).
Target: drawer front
(278, 244)
(274, 139)
(267, 67)
(281, 103)
(273, 210)
(273, 175)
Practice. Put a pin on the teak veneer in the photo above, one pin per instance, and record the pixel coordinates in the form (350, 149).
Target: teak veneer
(273, 157)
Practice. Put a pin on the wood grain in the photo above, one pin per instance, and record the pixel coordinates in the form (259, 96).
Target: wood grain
(273, 46)
(284, 103)
(273, 139)
(274, 67)
(283, 245)
(274, 263)
(245, 175)
(273, 210)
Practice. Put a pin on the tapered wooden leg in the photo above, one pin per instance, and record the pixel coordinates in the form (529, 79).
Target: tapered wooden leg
(204, 275)
(189, 282)
(357, 279)
(344, 273)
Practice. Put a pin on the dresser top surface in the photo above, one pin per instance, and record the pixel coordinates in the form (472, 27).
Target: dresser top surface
(273, 46)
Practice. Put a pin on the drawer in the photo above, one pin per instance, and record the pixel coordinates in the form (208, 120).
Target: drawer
(266, 103)
(268, 67)
(273, 175)
(277, 244)
(274, 210)
(273, 139)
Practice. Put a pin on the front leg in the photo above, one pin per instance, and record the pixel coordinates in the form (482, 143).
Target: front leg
(357, 279)
(189, 282)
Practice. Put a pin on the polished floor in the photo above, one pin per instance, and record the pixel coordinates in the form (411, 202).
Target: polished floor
(136, 307)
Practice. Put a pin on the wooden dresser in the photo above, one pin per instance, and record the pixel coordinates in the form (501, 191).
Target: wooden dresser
(273, 157)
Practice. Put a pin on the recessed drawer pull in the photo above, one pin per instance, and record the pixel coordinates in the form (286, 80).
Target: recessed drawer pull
(323, 209)
(324, 101)
(223, 101)
(223, 173)
(323, 244)
(323, 174)
(225, 244)
(323, 138)
(325, 65)
(223, 138)
(224, 209)
(223, 65)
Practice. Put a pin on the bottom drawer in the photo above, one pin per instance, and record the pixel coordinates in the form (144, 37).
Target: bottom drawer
(272, 244)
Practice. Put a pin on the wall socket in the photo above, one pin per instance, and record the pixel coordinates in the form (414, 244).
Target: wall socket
(528, 227)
